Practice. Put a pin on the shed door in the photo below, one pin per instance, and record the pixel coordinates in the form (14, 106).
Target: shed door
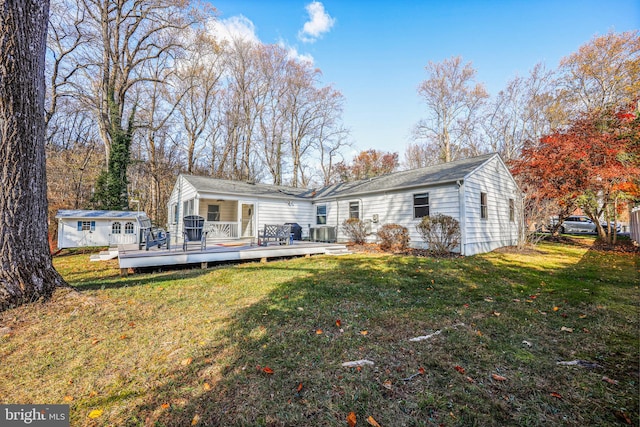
(122, 232)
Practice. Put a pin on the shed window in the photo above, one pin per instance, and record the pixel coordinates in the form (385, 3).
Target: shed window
(128, 228)
(86, 226)
(213, 213)
(512, 210)
(321, 214)
(484, 214)
(116, 228)
(420, 205)
(354, 210)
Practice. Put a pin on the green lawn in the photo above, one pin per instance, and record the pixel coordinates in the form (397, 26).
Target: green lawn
(198, 346)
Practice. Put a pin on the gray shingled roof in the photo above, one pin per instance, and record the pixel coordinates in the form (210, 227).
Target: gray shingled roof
(432, 175)
(205, 184)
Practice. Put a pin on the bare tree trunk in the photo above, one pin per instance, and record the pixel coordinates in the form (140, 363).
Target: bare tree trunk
(27, 272)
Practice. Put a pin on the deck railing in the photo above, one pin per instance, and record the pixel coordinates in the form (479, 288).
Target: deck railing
(221, 230)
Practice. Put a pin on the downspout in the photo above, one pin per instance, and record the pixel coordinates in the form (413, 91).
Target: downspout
(463, 216)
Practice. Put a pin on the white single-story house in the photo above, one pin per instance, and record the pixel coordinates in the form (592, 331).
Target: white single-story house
(84, 228)
(479, 192)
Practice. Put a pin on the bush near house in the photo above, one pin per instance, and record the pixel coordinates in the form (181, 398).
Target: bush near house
(355, 229)
(440, 232)
(394, 238)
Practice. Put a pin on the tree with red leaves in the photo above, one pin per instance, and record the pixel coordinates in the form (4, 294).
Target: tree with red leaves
(368, 164)
(593, 164)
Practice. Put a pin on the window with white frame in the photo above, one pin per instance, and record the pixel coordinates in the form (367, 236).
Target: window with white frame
(420, 205)
(512, 210)
(116, 228)
(128, 228)
(188, 207)
(213, 213)
(484, 209)
(321, 214)
(86, 225)
(174, 213)
(354, 210)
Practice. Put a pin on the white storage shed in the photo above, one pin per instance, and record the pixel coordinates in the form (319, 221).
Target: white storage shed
(87, 228)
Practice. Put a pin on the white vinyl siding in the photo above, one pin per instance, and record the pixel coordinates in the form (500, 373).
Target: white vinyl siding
(395, 208)
(497, 230)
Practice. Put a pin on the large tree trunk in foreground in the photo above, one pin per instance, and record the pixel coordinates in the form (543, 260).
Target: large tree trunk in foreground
(26, 272)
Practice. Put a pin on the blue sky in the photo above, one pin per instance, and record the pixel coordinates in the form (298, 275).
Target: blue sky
(375, 52)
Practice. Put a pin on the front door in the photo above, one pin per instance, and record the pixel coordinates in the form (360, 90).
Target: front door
(247, 222)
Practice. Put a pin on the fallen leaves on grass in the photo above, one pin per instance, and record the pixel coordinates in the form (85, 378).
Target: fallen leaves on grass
(68, 398)
(267, 370)
(610, 381)
(387, 385)
(364, 332)
(318, 331)
(351, 419)
(95, 341)
(372, 421)
(195, 420)
(421, 370)
(556, 395)
(565, 329)
(187, 361)
(299, 389)
(338, 323)
(470, 380)
(498, 377)
(207, 387)
(459, 369)
(96, 413)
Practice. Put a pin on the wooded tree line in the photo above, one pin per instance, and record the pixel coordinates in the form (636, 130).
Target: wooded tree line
(141, 91)
(462, 120)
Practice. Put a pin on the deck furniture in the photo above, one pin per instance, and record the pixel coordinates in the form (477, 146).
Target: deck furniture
(152, 236)
(193, 231)
(277, 233)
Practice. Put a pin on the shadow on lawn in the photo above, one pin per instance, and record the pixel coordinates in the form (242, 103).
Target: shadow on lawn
(293, 332)
(142, 278)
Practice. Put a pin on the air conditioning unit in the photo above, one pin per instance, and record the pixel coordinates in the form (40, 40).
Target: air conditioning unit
(323, 234)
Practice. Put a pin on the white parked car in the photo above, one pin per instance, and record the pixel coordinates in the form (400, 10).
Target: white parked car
(581, 224)
(578, 224)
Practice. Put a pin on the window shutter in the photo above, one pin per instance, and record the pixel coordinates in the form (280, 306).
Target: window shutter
(79, 225)
(93, 226)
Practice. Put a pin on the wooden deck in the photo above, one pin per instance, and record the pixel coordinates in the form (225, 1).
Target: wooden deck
(130, 257)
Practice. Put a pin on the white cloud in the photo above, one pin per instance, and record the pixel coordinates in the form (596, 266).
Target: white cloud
(319, 22)
(292, 53)
(233, 28)
(241, 27)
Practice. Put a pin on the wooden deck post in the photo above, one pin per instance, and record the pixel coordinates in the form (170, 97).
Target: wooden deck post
(124, 272)
(204, 265)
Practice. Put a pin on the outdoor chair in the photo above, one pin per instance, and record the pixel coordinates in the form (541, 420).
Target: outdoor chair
(193, 231)
(152, 236)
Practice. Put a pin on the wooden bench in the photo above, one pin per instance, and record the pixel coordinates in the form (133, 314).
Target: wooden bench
(276, 233)
(152, 236)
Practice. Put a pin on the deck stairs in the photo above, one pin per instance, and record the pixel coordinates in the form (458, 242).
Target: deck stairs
(105, 255)
(337, 250)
